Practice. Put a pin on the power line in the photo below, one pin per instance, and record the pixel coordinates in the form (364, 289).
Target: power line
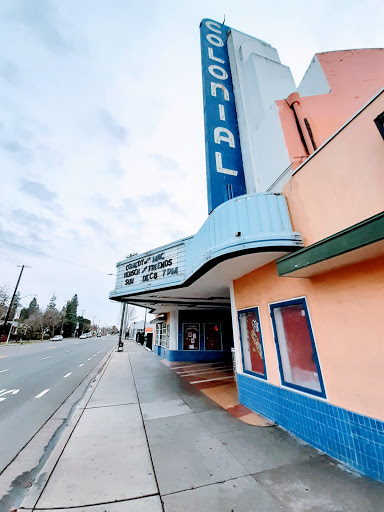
(54, 257)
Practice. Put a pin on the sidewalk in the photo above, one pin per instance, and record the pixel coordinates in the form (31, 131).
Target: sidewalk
(149, 441)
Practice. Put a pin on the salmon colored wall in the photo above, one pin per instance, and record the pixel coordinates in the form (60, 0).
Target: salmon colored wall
(354, 76)
(354, 72)
(343, 183)
(346, 312)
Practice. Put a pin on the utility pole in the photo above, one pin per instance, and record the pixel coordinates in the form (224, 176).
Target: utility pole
(82, 324)
(4, 328)
(121, 343)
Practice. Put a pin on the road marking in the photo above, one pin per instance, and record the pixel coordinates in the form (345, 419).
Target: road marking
(89, 359)
(68, 374)
(94, 355)
(51, 348)
(67, 351)
(1, 357)
(12, 391)
(2, 371)
(46, 357)
(80, 365)
(5, 392)
(42, 393)
(209, 380)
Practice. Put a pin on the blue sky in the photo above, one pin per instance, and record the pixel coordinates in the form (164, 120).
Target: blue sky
(101, 133)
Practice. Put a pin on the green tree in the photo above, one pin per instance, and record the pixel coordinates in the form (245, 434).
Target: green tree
(30, 310)
(84, 324)
(70, 321)
(51, 316)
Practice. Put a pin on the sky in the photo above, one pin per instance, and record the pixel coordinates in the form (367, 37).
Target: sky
(101, 127)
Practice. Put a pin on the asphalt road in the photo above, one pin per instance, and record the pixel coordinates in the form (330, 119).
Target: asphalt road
(35, 379)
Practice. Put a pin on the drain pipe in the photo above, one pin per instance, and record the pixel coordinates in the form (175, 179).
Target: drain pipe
(293, 101)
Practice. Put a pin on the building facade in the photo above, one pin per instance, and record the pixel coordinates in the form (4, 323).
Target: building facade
(288, 268)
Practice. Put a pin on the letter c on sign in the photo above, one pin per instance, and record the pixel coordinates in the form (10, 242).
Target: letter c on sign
(213, 70)
(212, 25)
(215, 40)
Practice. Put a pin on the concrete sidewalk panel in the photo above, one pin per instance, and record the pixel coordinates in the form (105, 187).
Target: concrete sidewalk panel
(164, 409)
(116, 386)
(193, 463)
(150, 504)
(219, 420)
(259, 449)
(198, 402)
(157, 395)
(106, 459)
(239, 495)
(174, 429)
(320, 485)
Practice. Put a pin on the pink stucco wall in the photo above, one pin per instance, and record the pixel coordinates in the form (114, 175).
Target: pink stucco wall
(339, 186)
(354, 77)
(346, 309)
(343, 183)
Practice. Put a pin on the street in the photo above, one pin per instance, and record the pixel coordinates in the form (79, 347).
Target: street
(35, 379)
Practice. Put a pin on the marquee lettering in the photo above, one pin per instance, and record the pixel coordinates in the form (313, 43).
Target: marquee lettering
(222, 75)
(215, 40)
(228, 138)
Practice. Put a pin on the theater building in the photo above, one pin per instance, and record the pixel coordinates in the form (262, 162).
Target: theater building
(288, 268)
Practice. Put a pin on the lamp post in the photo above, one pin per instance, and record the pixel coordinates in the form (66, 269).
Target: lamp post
(121, 343)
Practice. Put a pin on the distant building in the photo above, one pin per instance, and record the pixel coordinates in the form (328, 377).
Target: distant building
(139, 327)
(288, 268)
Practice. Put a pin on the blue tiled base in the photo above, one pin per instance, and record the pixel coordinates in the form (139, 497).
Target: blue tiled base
(356, 440)
(196, 356)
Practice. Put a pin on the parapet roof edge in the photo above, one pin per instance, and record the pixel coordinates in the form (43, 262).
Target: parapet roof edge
(381, 91)
(252, 37)
(348, 50)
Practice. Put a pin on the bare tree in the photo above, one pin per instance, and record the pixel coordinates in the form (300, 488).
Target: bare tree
(36, 322)
(52, 319)
(4, 300)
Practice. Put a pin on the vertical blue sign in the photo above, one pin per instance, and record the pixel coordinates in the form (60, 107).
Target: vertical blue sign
(225, 173)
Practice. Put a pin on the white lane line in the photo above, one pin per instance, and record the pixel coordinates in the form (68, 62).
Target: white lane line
(10, 391)
(42, 393)
(209, 380)
(89, 359)
(1, 399)
(94, 355)
(2, 371)
(67, 351)
(46, 357)
(80, 365)
(68, 374)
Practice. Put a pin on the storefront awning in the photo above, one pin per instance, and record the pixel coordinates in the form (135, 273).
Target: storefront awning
(359, 242)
